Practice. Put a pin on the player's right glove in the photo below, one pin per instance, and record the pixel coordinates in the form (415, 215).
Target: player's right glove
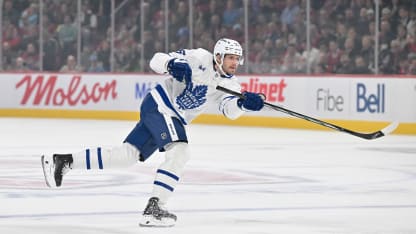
(180, 70)
(251, 101)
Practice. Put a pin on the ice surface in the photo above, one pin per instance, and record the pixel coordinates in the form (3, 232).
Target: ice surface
(239, 180)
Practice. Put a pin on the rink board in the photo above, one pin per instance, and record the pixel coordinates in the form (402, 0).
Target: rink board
(362, 103)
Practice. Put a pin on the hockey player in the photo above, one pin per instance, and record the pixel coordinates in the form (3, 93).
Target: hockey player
(189, 90)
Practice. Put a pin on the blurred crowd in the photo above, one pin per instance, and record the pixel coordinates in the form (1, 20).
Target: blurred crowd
(342, 34)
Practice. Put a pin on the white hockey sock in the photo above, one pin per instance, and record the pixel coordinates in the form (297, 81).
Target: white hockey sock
(169, 172)
(98, 158)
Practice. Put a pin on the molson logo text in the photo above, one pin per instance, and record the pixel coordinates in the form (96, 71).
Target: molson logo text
(45, 91)
(273, 91)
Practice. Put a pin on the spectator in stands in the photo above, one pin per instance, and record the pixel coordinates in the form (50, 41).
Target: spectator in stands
(258, 29)
(182, 38)
(397, 53)
(345, 66)
(104, 53)
(95, 65)
(404, 17)
(30, 16)
(349, 48)
(341, 34)
(28, 25)
(333, 56)
(321, 67)
(254, 55)
(279, 49)
(11, 35)
(135, 63)
(389, 58)
(350, 18)
(181, 16)
(275, 66)
(411, 26)
(327, 34)
(31, 57)
(237, 33)
(231, 14)
(123, 55)
(411, 43)
(384, 59)
(372, 29)
(362, 22)
(289, 12)
(370, 15)
(313, 57)
(215, 25)
(149, 45)
(88, 17)
(266, 52)
(71, 65)
(298, 27)
(386, 14)
(361, 66)
(19, 65)
(367, 50)
(67, 36)
(412, 66)
(386, 34)
(10, 13)
(292, 61)
(8, 56)
(51, 52)
(403, 67)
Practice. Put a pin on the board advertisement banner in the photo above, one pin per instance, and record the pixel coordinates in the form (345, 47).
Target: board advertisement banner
(338, 98)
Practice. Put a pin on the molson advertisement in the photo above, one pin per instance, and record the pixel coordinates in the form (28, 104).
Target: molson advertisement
(347, 100)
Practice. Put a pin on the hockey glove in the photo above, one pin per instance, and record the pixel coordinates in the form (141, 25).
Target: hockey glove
(251, 101)
(180, 70)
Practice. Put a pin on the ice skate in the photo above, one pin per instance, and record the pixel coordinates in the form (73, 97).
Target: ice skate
(55, 167)
(156, 216)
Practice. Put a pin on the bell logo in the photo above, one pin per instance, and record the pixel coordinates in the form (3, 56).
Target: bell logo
(372, 102)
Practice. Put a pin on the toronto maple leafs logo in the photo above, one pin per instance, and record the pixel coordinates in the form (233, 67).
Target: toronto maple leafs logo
(192, 97)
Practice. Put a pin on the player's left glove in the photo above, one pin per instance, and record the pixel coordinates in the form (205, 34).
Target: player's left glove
(251, 101)
(180, 70)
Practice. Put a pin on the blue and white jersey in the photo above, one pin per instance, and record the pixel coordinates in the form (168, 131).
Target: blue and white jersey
(186, 103)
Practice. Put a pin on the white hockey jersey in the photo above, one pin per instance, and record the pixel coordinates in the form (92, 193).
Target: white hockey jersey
(174, 99)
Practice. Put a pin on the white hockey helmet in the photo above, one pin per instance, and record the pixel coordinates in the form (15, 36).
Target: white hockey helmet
(228, 46)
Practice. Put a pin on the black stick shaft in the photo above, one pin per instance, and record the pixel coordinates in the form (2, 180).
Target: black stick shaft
(367, 136)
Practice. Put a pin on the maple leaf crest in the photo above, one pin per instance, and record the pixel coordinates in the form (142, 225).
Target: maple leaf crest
(192, 98)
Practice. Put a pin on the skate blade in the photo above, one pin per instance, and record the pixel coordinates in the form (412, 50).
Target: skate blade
(154, 223)
(45, 169)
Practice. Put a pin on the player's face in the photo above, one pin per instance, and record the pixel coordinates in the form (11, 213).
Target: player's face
(230, 63)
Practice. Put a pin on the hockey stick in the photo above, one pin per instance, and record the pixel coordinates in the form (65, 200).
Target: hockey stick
(369, 136)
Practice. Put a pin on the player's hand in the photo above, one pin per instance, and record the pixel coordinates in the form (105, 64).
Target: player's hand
(180, 70)
(251, 101)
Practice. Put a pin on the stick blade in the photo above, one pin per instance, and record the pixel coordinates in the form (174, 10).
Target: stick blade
(390, 128)
(385, 131)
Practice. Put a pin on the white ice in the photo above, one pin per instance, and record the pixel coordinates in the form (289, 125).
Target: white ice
(241, 180)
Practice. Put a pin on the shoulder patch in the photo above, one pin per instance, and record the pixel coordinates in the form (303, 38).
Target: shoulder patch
(181, 51)
(202, 68)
